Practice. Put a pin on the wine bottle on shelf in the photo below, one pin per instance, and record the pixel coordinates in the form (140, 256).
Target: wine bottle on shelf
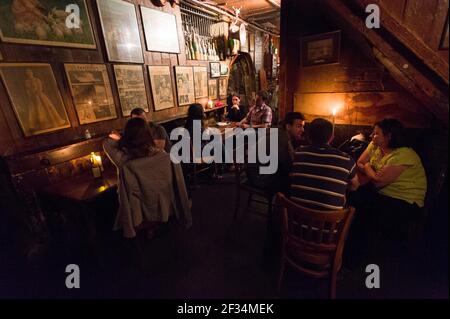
(191, 49)
(196, 55)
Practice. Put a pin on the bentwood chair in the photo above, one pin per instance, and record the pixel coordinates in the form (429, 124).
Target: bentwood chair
(313, 241)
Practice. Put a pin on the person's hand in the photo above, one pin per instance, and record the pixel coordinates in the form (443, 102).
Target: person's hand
(115, 135)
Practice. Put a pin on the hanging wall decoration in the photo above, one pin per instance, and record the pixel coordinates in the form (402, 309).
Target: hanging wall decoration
(91, 92)
(160, 30)
(184, 78)
(161, 83)
(35, 97)
(131, 87)
(120, 30)
(46, 22)
(201, 81)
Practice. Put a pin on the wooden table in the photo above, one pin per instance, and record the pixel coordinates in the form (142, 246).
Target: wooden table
(76, 199)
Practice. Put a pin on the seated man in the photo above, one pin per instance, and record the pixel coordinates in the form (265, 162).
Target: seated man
(259, 115)
(159, 134)
(291, 130)
(322, 174)
(160, 138)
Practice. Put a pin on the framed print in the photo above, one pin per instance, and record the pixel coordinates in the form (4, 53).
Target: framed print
(35, 97)
(200, 81)
(214, 69)
(223, 87)
(320, 49)
(212, 89)
(120, 31)
(160, 29)
(161, 84)
(91, 92)
(131, 87)
(223, 69)
(43, 22)
(184, 78)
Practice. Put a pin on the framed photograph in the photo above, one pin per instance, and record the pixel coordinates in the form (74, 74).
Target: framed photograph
(35, 97)
(444, 38)
(320, 49)
(161, 83)
(184, 78)
(223, 69)
(160, 29)
(43, 22)
(214, 69)
(91, 92)
(120, 31)
(131, 87)
(223, 87)
(200, 81)
(212, 89)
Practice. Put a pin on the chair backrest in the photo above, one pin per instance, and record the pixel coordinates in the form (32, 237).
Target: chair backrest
(312, 239)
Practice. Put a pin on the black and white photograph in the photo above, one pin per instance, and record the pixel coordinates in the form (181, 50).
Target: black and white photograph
(131, 87)
(161, 83)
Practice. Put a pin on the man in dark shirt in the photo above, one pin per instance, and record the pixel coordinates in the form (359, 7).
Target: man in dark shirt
(159, 134)
(322, 174)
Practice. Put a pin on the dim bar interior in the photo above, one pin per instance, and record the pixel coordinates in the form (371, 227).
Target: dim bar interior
(98, 98)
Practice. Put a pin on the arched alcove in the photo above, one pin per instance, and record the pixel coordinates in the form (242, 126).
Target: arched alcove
(242, 78)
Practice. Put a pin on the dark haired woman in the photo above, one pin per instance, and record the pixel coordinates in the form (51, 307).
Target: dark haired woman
(151, 188)
(394, 196)
(394, 169)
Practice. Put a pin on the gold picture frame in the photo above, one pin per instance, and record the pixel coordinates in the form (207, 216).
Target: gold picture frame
(223, 87)
(35, 97)
(91, 92)
(184, 79)
(19, 23)
(161, 84)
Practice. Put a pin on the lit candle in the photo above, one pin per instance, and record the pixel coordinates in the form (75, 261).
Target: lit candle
(97, 167)
(210, 104)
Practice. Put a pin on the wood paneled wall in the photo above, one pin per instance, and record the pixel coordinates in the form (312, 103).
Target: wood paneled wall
(358, 85)
(12, 140)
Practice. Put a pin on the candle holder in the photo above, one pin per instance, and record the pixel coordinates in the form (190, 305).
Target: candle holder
(96, 165)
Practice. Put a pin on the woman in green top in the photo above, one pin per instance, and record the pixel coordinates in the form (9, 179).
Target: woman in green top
(393, 197)
(394, 169)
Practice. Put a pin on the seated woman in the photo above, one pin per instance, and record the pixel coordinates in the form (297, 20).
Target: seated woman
(396, 186)
(236, 112)
(151, 188)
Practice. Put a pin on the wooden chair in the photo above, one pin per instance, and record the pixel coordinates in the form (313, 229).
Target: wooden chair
(242, 185)
(313, 241)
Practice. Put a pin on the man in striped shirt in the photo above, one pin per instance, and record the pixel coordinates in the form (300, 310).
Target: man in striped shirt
(321, 174)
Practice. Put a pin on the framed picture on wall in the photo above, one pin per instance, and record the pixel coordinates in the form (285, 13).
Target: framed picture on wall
(131, 87)
(120, 31)
(214, 69)
(223, 87)
(91, 92)
(212, 89)
(320, 49)
(200, 81)
(35, 97)
(43, 22)
(161, 83)
(223, 69)
(160, 29)
(184, 79)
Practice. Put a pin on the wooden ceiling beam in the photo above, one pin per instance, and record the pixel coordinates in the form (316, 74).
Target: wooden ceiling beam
(430, 57)
(405, 74)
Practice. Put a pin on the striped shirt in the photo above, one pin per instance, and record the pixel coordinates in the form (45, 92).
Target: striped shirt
(320, 175)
